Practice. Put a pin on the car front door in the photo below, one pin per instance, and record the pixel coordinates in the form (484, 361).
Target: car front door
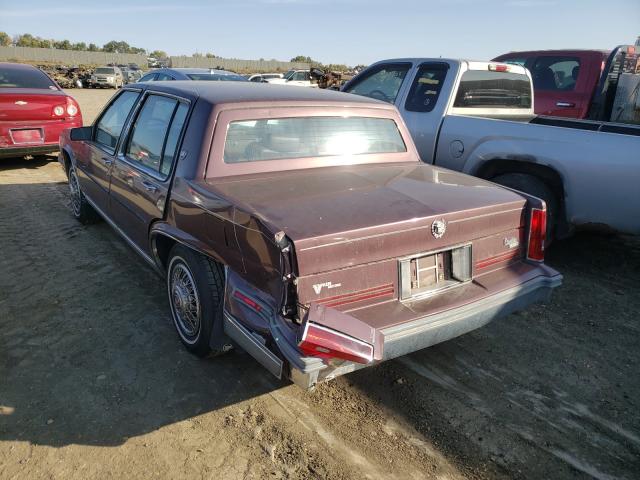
(142, 170)
(94, 166)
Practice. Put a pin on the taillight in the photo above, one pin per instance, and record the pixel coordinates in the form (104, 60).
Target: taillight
(72, 110)
(58, 110)
(498, 67)
(323, 342)
(537, 234)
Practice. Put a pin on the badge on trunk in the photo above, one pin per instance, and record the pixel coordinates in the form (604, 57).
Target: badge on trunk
(438, 227)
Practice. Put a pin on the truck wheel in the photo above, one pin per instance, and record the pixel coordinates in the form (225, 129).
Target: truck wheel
(536, 187)
(80, 208)
(195, 286)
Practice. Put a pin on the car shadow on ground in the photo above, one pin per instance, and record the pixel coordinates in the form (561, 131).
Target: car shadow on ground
(8, 164)
(88, 356)
(88, 352)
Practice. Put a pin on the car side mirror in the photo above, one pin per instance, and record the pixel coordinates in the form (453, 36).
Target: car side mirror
(81, 134)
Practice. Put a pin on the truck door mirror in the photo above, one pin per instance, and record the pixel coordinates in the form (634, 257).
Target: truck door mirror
(81, 134)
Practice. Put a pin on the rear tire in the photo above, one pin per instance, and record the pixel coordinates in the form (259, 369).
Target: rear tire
(536, 187)
(195, 286)
(80, 208)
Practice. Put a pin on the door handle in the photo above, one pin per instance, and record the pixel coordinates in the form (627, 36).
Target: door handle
(107, 161)
(149, 187)
(565, 104)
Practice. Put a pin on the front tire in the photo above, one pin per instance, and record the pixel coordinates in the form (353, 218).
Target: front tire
(195, 286)
(80, 208)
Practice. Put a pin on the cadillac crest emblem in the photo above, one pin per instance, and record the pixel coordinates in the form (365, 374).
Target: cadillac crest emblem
(438, 227)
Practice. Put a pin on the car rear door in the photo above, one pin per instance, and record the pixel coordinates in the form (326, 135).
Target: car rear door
(142, 171)
(94, 165)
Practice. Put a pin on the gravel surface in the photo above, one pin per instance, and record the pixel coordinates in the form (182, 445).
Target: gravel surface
(94, 382)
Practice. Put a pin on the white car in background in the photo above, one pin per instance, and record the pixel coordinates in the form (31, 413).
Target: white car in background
(298, 78)
(263, 77)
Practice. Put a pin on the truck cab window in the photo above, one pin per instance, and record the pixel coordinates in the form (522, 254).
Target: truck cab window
(487, 89)
(426, 87)
(555, 73)
(382, 83)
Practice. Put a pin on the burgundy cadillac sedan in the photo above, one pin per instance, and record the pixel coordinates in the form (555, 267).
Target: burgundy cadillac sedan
(301, 225)
(33, 111)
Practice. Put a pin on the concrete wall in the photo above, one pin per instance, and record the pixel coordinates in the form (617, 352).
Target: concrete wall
(69, 57)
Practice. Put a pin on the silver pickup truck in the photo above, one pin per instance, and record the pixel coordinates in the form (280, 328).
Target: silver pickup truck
(477, 118)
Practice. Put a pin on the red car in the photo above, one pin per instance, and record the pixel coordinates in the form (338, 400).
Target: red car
(33, 111)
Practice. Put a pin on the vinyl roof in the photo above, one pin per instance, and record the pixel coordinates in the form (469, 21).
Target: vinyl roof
(239, 92)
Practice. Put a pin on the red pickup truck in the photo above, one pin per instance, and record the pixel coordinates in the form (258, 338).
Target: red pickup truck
(576, 83)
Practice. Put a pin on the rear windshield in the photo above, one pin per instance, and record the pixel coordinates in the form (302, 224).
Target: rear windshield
(105, 71)
(301, 137)
(216, 77)
(25, 78)
(486, 89)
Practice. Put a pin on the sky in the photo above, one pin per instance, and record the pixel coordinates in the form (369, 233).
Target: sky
(332, 31)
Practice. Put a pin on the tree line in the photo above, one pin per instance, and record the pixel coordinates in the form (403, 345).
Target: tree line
(28, 40)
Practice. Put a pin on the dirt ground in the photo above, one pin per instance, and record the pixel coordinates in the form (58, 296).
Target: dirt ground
(94, 382)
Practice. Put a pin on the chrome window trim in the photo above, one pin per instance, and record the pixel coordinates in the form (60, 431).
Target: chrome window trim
(121, 156)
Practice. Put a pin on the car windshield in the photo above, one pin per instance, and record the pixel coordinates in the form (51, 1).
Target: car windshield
(289, 74)
(219, 77)
(25, 78)
(302, 137)
(108, 71)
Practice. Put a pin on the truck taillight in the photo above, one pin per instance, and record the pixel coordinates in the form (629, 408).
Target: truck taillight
(323, 342)
(498, 67)
(537, 234)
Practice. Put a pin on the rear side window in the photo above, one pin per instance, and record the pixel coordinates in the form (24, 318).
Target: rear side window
(382, 83)
(302, 137)
(25, 78)
(171, 146)
(426, 87)
(110, 125)
(155, 133)
(555, 73)
(487, 89)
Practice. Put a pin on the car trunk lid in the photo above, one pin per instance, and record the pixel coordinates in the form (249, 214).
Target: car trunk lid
(29, 104)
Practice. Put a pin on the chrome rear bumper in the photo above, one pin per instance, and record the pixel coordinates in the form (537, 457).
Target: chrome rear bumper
(433, 329)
